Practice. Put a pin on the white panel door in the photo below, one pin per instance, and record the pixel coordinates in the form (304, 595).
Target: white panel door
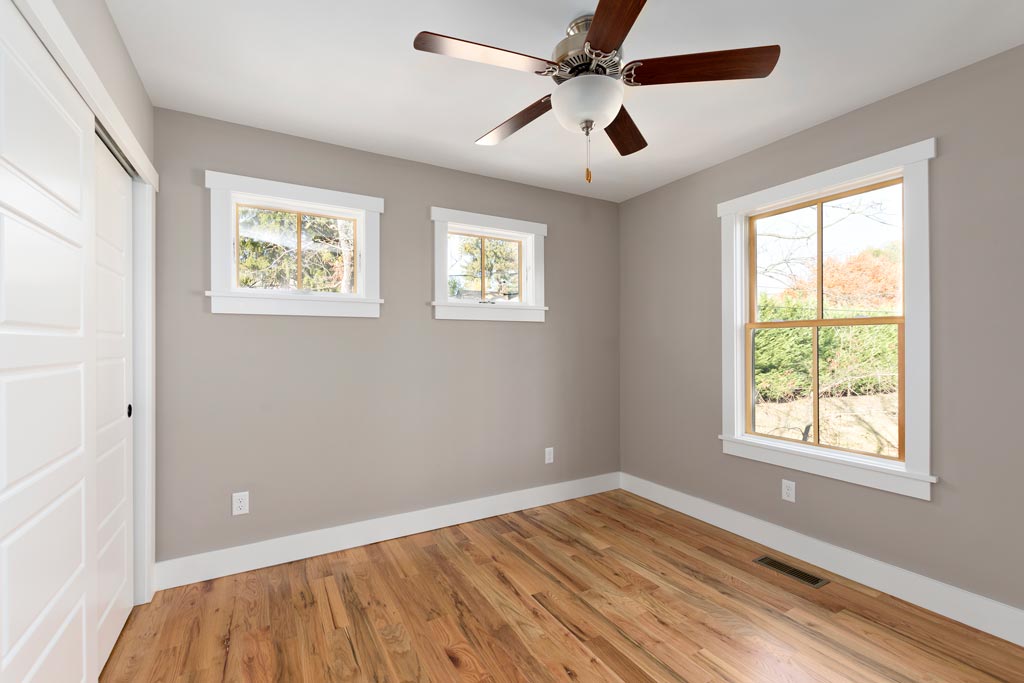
(48, 583)
(113, 396)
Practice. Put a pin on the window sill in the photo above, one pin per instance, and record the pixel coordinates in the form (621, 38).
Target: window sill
(891, 476)
(524, 313)
(294, 303)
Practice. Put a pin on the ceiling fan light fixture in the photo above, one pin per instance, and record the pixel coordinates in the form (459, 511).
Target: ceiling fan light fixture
(587, 97)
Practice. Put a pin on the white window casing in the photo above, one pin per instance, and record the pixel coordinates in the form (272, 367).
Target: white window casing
(912, 476)
(531, 308)
(227, 190)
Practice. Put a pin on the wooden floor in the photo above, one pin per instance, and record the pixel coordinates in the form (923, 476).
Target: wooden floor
(605, 588)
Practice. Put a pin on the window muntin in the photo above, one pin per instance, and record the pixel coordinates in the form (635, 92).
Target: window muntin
(824, 337)
(484, 268)
(295, 250)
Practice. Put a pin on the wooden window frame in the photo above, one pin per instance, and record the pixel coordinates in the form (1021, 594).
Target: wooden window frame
(910, 476)
(815, 324)
(299, 214)
(483, 262)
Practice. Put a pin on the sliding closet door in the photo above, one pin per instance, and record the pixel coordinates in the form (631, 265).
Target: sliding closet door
(114, 562)
(48, 522)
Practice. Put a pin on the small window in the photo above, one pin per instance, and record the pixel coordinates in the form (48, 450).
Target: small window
(482, 268)
(488, 268)
(285, 249)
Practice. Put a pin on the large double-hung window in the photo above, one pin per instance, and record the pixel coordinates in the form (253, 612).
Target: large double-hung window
(825, 323)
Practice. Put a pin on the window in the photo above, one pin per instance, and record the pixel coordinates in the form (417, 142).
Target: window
(283, 249)
(487, 267)
(825, 323)
(826, 319)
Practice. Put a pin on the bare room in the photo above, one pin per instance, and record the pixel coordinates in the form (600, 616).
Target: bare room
(550, 341)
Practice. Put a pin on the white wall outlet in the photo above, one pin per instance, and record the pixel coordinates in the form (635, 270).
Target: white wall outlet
(240, 503)
(549, 455)
(789, 490)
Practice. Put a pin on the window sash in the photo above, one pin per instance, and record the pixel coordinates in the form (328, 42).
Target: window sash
(820, 321)
(298, 241)
(483, 262)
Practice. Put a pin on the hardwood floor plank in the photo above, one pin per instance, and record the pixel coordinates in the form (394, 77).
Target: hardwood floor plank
(609, 588)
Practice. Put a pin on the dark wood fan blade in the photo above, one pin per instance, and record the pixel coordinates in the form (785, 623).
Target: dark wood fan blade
(611, 24)
(724, 65)
(534, 111)
(624, 134)
(478, 52)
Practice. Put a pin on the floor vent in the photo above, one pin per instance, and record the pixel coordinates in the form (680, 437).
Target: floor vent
(789, 570)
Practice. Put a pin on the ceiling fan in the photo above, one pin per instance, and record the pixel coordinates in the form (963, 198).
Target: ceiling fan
(587, 67)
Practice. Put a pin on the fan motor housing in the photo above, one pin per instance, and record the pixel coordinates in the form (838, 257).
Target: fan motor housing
(571, 56)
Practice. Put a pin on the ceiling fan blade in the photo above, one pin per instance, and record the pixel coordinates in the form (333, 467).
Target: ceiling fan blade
(612, 21)
(534, 111)
(724, 65)
(478, 52)
(624, 134)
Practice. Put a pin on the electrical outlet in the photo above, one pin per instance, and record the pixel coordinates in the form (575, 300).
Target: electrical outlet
(789, 490)
(549, 455)
(240, 503)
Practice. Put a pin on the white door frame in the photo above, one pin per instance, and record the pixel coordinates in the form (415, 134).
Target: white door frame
(46, 21)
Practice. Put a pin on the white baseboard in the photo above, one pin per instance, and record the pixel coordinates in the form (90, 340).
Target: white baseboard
(982, 613)
(217, 563)
(974, 610)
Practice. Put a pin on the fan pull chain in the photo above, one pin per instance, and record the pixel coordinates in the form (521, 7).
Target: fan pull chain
(589, 176)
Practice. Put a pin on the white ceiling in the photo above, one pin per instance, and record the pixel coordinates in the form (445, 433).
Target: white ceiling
(345, 72)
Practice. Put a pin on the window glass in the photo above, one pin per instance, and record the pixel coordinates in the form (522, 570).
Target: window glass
(786, 265)
(783, 386)
(267, 248)
(482, 268)
(859, 388)
(328, 254)
(825, 338)
(862, 239)
(464, 275)
(502, 269)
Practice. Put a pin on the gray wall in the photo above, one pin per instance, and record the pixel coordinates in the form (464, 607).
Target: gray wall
(333, 420)
(970, 533)
(94, 29)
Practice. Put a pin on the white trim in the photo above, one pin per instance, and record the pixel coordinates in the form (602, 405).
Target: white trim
(832, 181)
(493, 312)
(49, 25)
(824, 462)
(482, 220)
(227, 190)
(984, 614)
(217, 563)
(216, 180)
(144, 387)
(531, 309)
(913, 476)
(293, 303)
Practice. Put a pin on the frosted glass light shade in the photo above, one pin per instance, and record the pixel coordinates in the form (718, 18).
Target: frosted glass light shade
(587, 97)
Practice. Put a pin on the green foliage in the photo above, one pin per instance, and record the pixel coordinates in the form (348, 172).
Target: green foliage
(853, 360)
(501, 267)
(268, 248)
(328, 254)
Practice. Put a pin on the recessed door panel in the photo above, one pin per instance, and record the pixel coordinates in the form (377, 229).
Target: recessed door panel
(40, 278)
(113, 394)
(48, 526)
